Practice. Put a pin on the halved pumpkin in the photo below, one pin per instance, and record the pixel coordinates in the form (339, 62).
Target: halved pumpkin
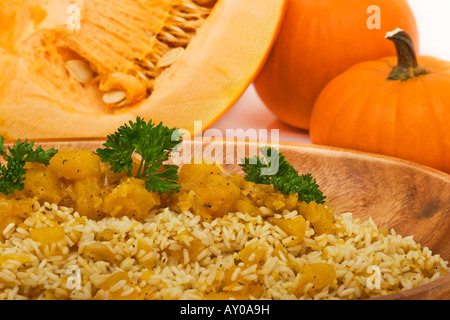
(73, 68)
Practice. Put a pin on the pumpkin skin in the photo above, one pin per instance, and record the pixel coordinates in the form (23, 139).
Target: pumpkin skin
(362, 110)
(215, 69)
(318, 40)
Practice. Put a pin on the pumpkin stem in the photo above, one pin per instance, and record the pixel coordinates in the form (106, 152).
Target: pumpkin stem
(407, 66)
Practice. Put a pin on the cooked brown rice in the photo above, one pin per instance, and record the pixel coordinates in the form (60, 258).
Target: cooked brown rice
(358, 251)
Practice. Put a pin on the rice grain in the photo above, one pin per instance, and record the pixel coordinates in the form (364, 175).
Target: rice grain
(173, 269)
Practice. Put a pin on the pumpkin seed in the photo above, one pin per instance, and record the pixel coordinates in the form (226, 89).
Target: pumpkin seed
(79, 70)
(114, 97)
(170, 57)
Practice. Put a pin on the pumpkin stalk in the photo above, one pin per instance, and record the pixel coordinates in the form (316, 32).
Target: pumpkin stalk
(407, 66)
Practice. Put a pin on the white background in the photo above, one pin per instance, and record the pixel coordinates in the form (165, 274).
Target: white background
(433, 23)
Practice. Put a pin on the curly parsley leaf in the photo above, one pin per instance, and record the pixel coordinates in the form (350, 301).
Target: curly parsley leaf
(153, 143)
(12, 174)
(281, 174)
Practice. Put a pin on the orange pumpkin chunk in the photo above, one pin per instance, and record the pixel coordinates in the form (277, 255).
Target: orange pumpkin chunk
(319, 274)
(321, 216)
(76, 164)
(46, 236)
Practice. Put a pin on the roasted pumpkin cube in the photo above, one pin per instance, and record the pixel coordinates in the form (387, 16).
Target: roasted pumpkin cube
(236, 286)
(43, 183)
(238, 180)
(321, 216)
(130, 198)
(185, 200)
(293, 227)
(193, 173)
(195, 248)
(46, 236)
(13, 211)
(319, 274)
(214, 195)
(247, 206)
(275, 201)
(76, 164)
(100, 251)
(16, 257)
(291, 201)
(253, 253)
(229, 278)
(258, 192)
(5, 222)
(324, 226)
(120, 287)
(10, 207)
(89, 198)
(143, 249)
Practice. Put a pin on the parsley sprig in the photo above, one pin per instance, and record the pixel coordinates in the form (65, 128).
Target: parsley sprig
(153, 143)
(12, 174)
(281, 175)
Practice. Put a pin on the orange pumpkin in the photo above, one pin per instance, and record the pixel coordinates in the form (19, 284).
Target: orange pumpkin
(320, 39)
(401, 111)
(83, 68)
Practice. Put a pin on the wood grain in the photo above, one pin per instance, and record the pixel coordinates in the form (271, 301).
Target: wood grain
(410, 198)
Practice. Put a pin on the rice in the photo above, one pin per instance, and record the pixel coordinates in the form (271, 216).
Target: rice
(173, 255)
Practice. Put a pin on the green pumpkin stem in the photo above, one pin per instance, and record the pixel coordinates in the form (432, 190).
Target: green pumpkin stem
(407, 66)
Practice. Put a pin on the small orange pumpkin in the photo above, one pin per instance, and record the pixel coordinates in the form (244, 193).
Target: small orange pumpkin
(401, 111)
(318, 40)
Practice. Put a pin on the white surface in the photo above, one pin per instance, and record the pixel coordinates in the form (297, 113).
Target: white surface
(432, 17)
(433, 23)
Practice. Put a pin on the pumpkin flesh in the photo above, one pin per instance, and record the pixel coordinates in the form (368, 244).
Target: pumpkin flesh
(168, 67)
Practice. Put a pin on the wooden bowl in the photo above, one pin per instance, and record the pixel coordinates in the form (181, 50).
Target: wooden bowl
(410, 198)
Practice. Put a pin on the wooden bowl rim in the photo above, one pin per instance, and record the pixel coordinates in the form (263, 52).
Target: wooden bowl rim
(283, 144)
